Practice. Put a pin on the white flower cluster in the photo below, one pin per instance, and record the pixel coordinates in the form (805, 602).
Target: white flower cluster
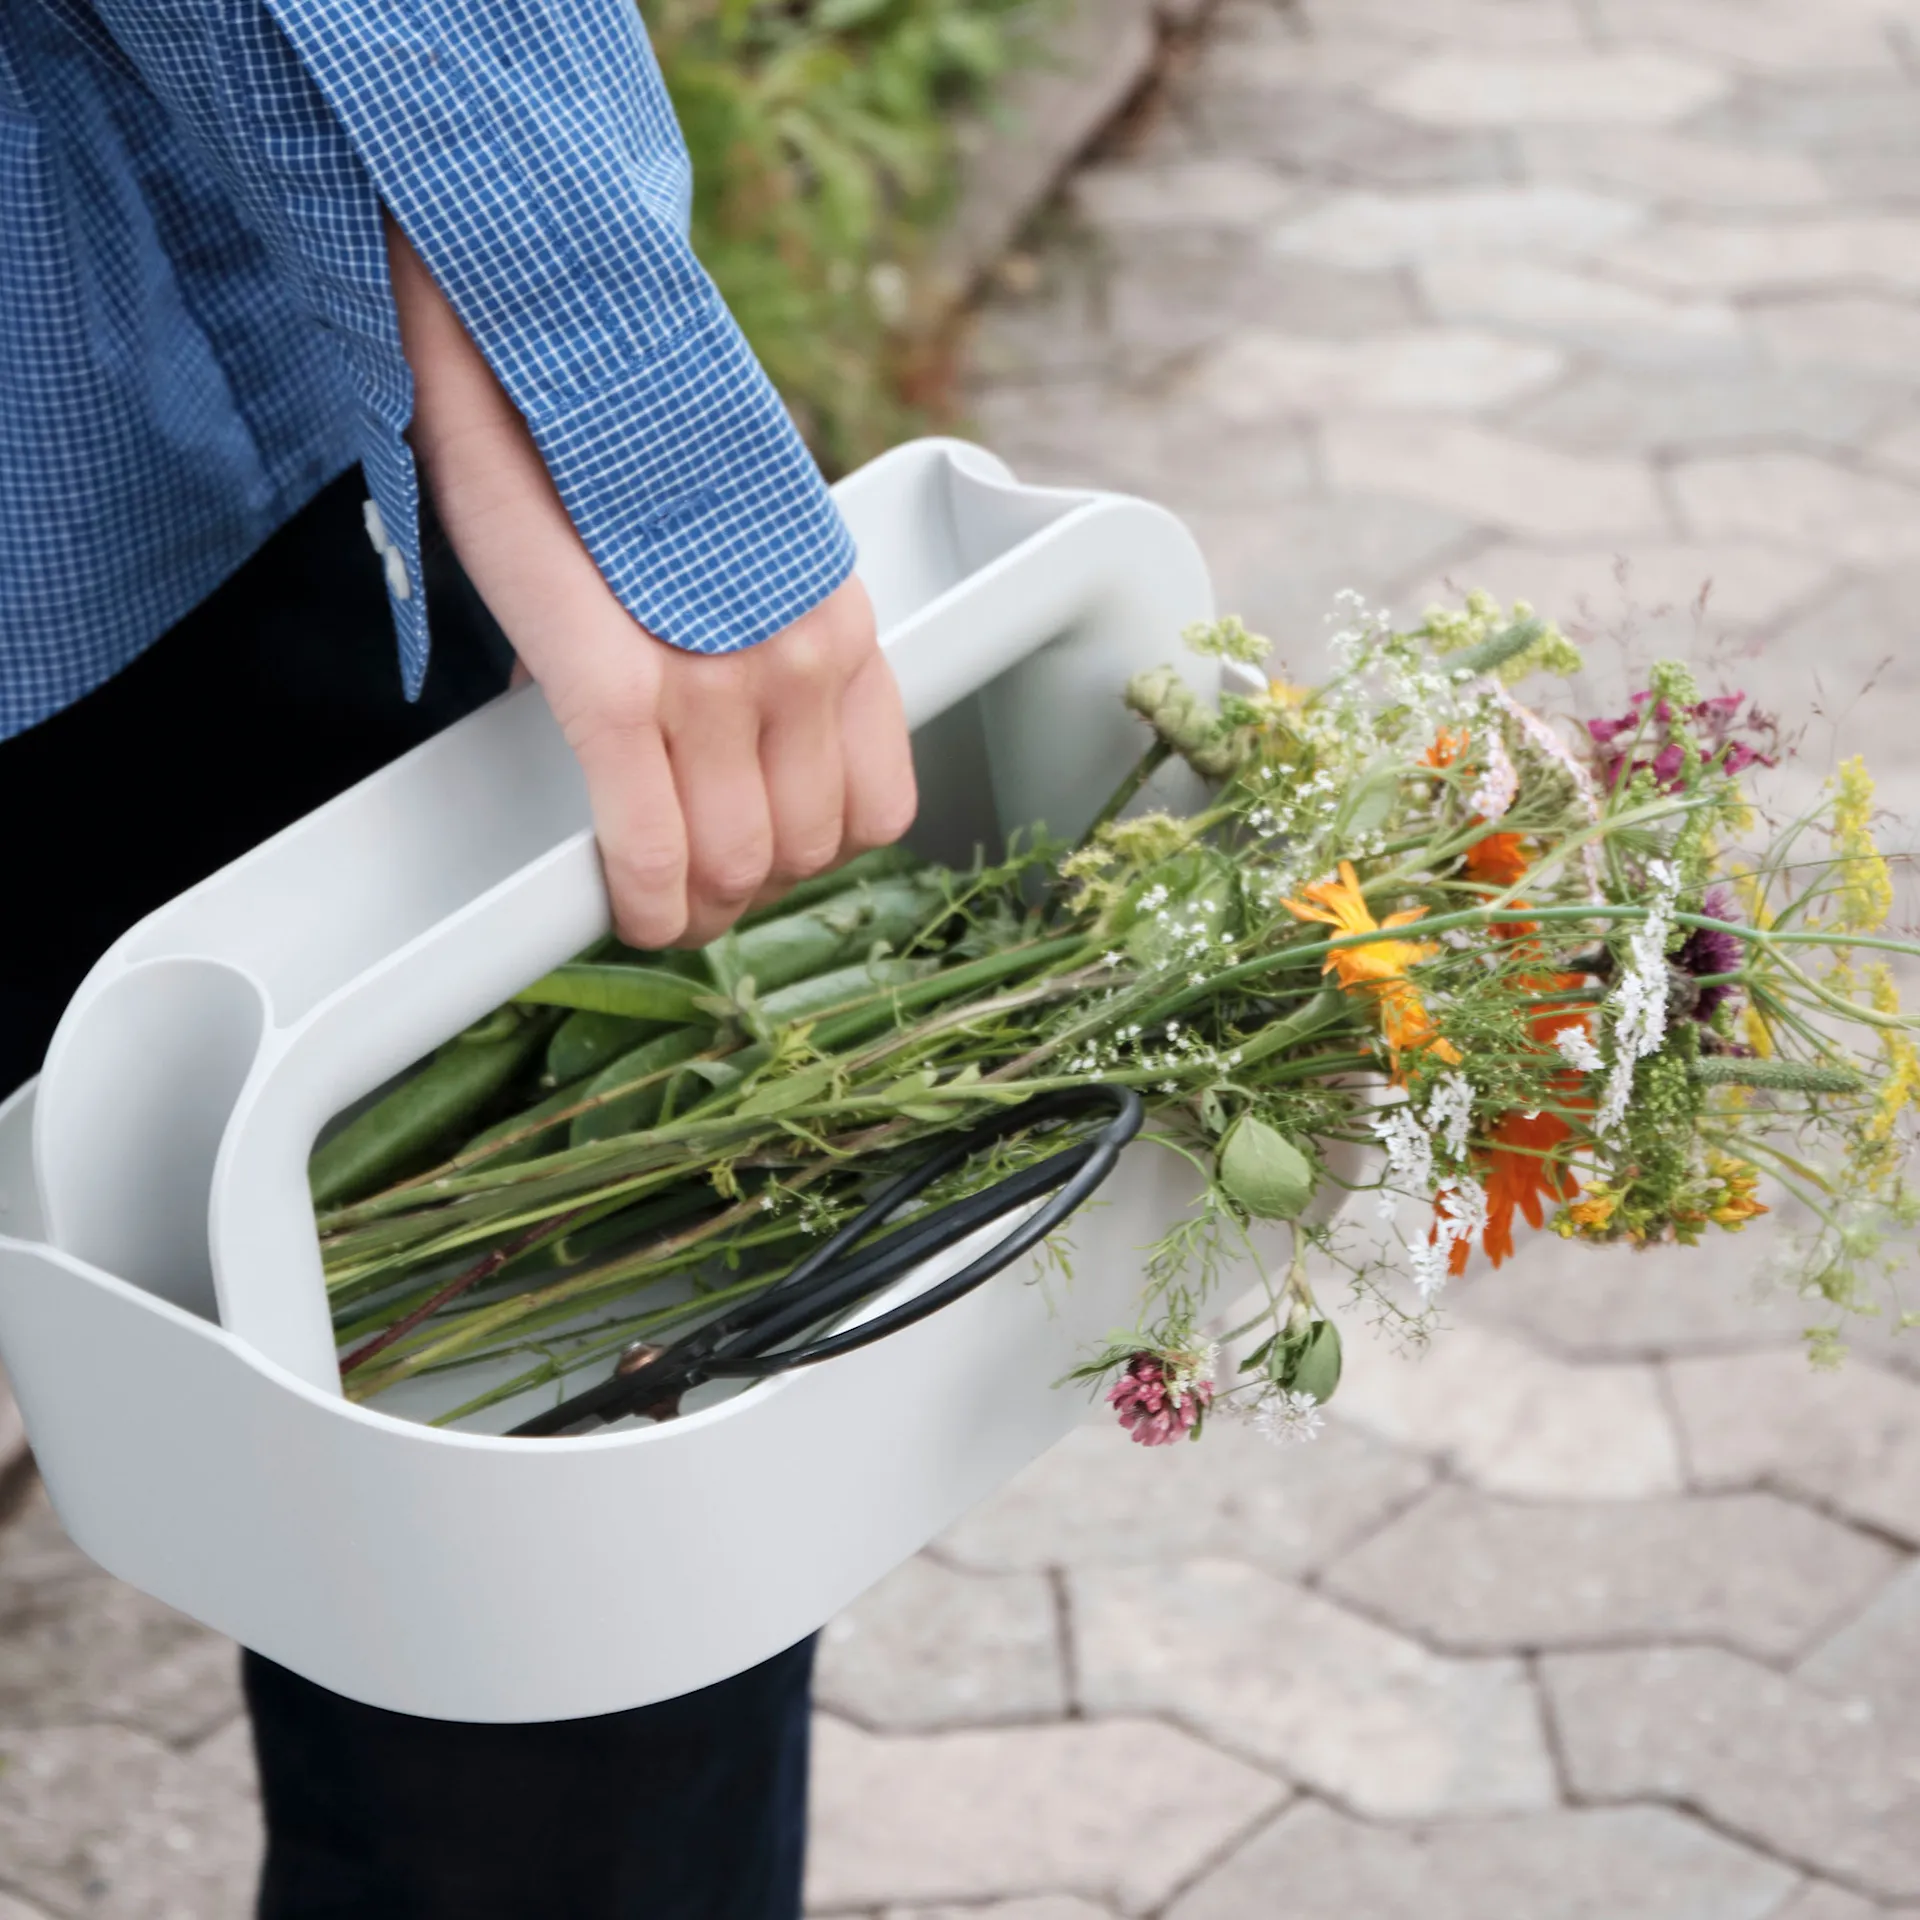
(1184, 1049)
(1576, 1048)
(1460, 1214)
(1410, 1141)
(1361, 626)
(1409, 1151)
(1450, 1114)
(1288, 1418)
(1637, 1008)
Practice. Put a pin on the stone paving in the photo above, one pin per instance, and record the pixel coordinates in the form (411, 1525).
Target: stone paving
(1608, 1606)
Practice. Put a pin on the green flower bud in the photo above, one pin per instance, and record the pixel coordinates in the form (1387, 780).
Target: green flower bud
(1263, 1171)
(1782, 1076)
(1489, 655)
(1317, 1372)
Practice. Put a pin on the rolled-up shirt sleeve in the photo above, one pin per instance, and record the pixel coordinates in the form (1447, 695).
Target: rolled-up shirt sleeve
(530, 153)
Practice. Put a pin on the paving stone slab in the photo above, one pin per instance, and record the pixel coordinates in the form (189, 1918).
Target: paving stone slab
(1501, 481)
(1263, 374)
(1512, 1420)
(1766, 36)
(1602, 315)
(1848, 1437)
(1476, 23)
(77, 1644)
(1648, 590)
(1280, 568)
(1817, 114)
(108, 1823)
(1373, 230)
(1122, 1812)
(930, 1648)
(1342, 1706)
(1099, 434)
(1590, 1864)
(1120, 300)
(1252, 45)
(1098, 1500)
(1728, 256)
(1233, 195)
(1869, 335)
(1876, 1655)
(1823, 1782)
(1635, 87)
(1341, 139)
(1587, 1303)
(1671, 169)
(1147, 304)
(1816, 1901)
(1610, 409)
(1899, 450)
(1808, 503)
(12, 1909)
(1754, 1572)
(1888, 179)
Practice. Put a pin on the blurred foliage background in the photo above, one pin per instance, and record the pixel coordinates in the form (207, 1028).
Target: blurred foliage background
(824, 151)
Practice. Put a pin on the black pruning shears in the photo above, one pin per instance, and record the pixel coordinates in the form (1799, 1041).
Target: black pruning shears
(768, 1334)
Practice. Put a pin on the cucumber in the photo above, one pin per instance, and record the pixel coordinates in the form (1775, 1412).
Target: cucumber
(429, 1110)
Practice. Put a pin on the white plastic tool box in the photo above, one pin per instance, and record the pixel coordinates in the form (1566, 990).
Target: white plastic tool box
(162, 1313)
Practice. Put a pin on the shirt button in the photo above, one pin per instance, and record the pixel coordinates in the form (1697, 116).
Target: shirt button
(397, 582)
(376, 527)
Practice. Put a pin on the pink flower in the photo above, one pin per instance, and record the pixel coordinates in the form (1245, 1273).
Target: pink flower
(1161, 1398)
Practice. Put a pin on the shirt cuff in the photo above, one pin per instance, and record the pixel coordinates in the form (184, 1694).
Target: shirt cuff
(696, 495)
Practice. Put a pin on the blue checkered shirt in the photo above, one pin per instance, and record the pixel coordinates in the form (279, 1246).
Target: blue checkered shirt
(197, 330)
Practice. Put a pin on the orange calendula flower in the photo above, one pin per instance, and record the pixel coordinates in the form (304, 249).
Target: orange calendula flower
(1497, 861)
(1379, 968)
(1548, 1023)
(1520, 1177)
(1446, 749)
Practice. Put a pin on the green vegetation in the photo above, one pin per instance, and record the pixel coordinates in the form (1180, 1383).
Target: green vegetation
(823, 152)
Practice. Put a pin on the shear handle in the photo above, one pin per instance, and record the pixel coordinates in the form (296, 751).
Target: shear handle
(745, 1344)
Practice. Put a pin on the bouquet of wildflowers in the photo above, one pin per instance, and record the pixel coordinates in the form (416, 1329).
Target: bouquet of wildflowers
(1544, 974)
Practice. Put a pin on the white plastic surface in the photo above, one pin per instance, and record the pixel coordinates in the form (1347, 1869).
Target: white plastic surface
(162, 1313)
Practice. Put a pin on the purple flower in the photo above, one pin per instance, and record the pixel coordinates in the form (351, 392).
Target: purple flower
(1711, 950)
(1159, 1403)
(1716, 723)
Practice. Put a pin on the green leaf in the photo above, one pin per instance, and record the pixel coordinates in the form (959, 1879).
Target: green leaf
(787, 1091)
(1317, 1372)
(1263, 1171)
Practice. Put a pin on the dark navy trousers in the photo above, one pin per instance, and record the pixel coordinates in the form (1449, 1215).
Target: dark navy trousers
(274, 694)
